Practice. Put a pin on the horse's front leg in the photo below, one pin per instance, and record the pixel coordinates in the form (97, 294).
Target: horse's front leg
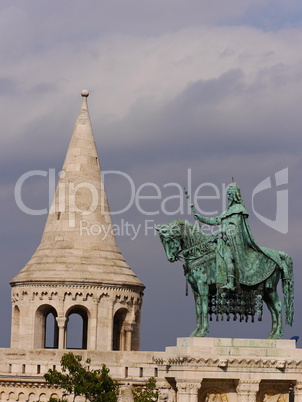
(201, 306)
(198, 310)
(203, 290)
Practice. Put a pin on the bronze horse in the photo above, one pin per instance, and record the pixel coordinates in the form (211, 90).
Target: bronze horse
(183, 240)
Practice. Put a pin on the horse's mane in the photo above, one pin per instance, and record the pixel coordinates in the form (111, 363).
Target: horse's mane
(191, 233)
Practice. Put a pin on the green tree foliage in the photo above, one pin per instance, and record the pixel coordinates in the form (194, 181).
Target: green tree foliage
(79, 380)
(147, 393)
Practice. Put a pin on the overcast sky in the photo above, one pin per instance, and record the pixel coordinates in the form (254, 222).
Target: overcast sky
(180, 90)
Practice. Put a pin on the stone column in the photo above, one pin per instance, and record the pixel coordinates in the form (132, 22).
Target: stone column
(128, 336)
(61, 325)
(298, 391)
(105, 322)
(187, 390)
(247, 390)
(93, 326)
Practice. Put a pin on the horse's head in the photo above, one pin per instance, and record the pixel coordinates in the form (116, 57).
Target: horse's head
(170, 236)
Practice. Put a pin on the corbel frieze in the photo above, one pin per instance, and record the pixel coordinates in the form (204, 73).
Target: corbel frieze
(279, 364)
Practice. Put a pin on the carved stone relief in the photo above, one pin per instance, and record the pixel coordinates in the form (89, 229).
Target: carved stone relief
(214, 395)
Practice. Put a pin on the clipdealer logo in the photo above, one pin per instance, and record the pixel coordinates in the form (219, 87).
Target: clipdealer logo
(67, 193)
(280, 223)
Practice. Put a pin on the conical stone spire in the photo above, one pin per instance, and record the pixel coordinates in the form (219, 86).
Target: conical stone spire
(78, 244)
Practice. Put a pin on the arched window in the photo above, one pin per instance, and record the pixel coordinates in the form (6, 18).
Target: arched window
(77, 328)
(118, 339)
(46, 328)
(15, 327)
(51, 330)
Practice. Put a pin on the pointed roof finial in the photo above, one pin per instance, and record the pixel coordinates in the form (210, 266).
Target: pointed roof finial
(85, 93)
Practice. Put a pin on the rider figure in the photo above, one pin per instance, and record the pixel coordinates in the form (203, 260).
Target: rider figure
(230, 244)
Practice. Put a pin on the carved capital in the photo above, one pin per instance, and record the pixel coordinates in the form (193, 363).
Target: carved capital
(187, 387)
(161, 383)
(61, 321)
(129, 326)
(247, 390)
(298, 391)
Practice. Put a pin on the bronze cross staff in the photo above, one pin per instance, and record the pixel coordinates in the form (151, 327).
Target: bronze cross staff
(192, 206)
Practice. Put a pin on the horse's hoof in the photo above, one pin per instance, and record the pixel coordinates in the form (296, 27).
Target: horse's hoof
(275, 336)
(202, 332)
(199, 333)
(270, 335)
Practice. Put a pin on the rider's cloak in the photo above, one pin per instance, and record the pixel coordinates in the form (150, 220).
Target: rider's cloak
(253, 264)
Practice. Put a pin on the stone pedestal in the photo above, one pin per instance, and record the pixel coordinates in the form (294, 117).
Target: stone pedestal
(232, 370)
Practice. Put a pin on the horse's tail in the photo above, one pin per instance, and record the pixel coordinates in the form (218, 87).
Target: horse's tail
(288, 288)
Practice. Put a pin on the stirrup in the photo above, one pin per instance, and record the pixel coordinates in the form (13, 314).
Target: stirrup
(229, 285)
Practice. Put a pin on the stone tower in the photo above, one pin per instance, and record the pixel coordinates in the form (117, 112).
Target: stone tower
(77, 271)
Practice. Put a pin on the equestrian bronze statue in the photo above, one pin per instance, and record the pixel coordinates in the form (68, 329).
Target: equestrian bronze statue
(228, 272)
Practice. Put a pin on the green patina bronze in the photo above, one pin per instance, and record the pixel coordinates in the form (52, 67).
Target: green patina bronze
(228, 272)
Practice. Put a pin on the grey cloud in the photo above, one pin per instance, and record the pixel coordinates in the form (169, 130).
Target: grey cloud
(74, 20)
(10, 87)
(213, 91)
(220, 115)
(281, 15)
(7, 86)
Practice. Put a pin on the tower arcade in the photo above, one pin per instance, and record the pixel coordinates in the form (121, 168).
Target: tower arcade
(78, 271)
